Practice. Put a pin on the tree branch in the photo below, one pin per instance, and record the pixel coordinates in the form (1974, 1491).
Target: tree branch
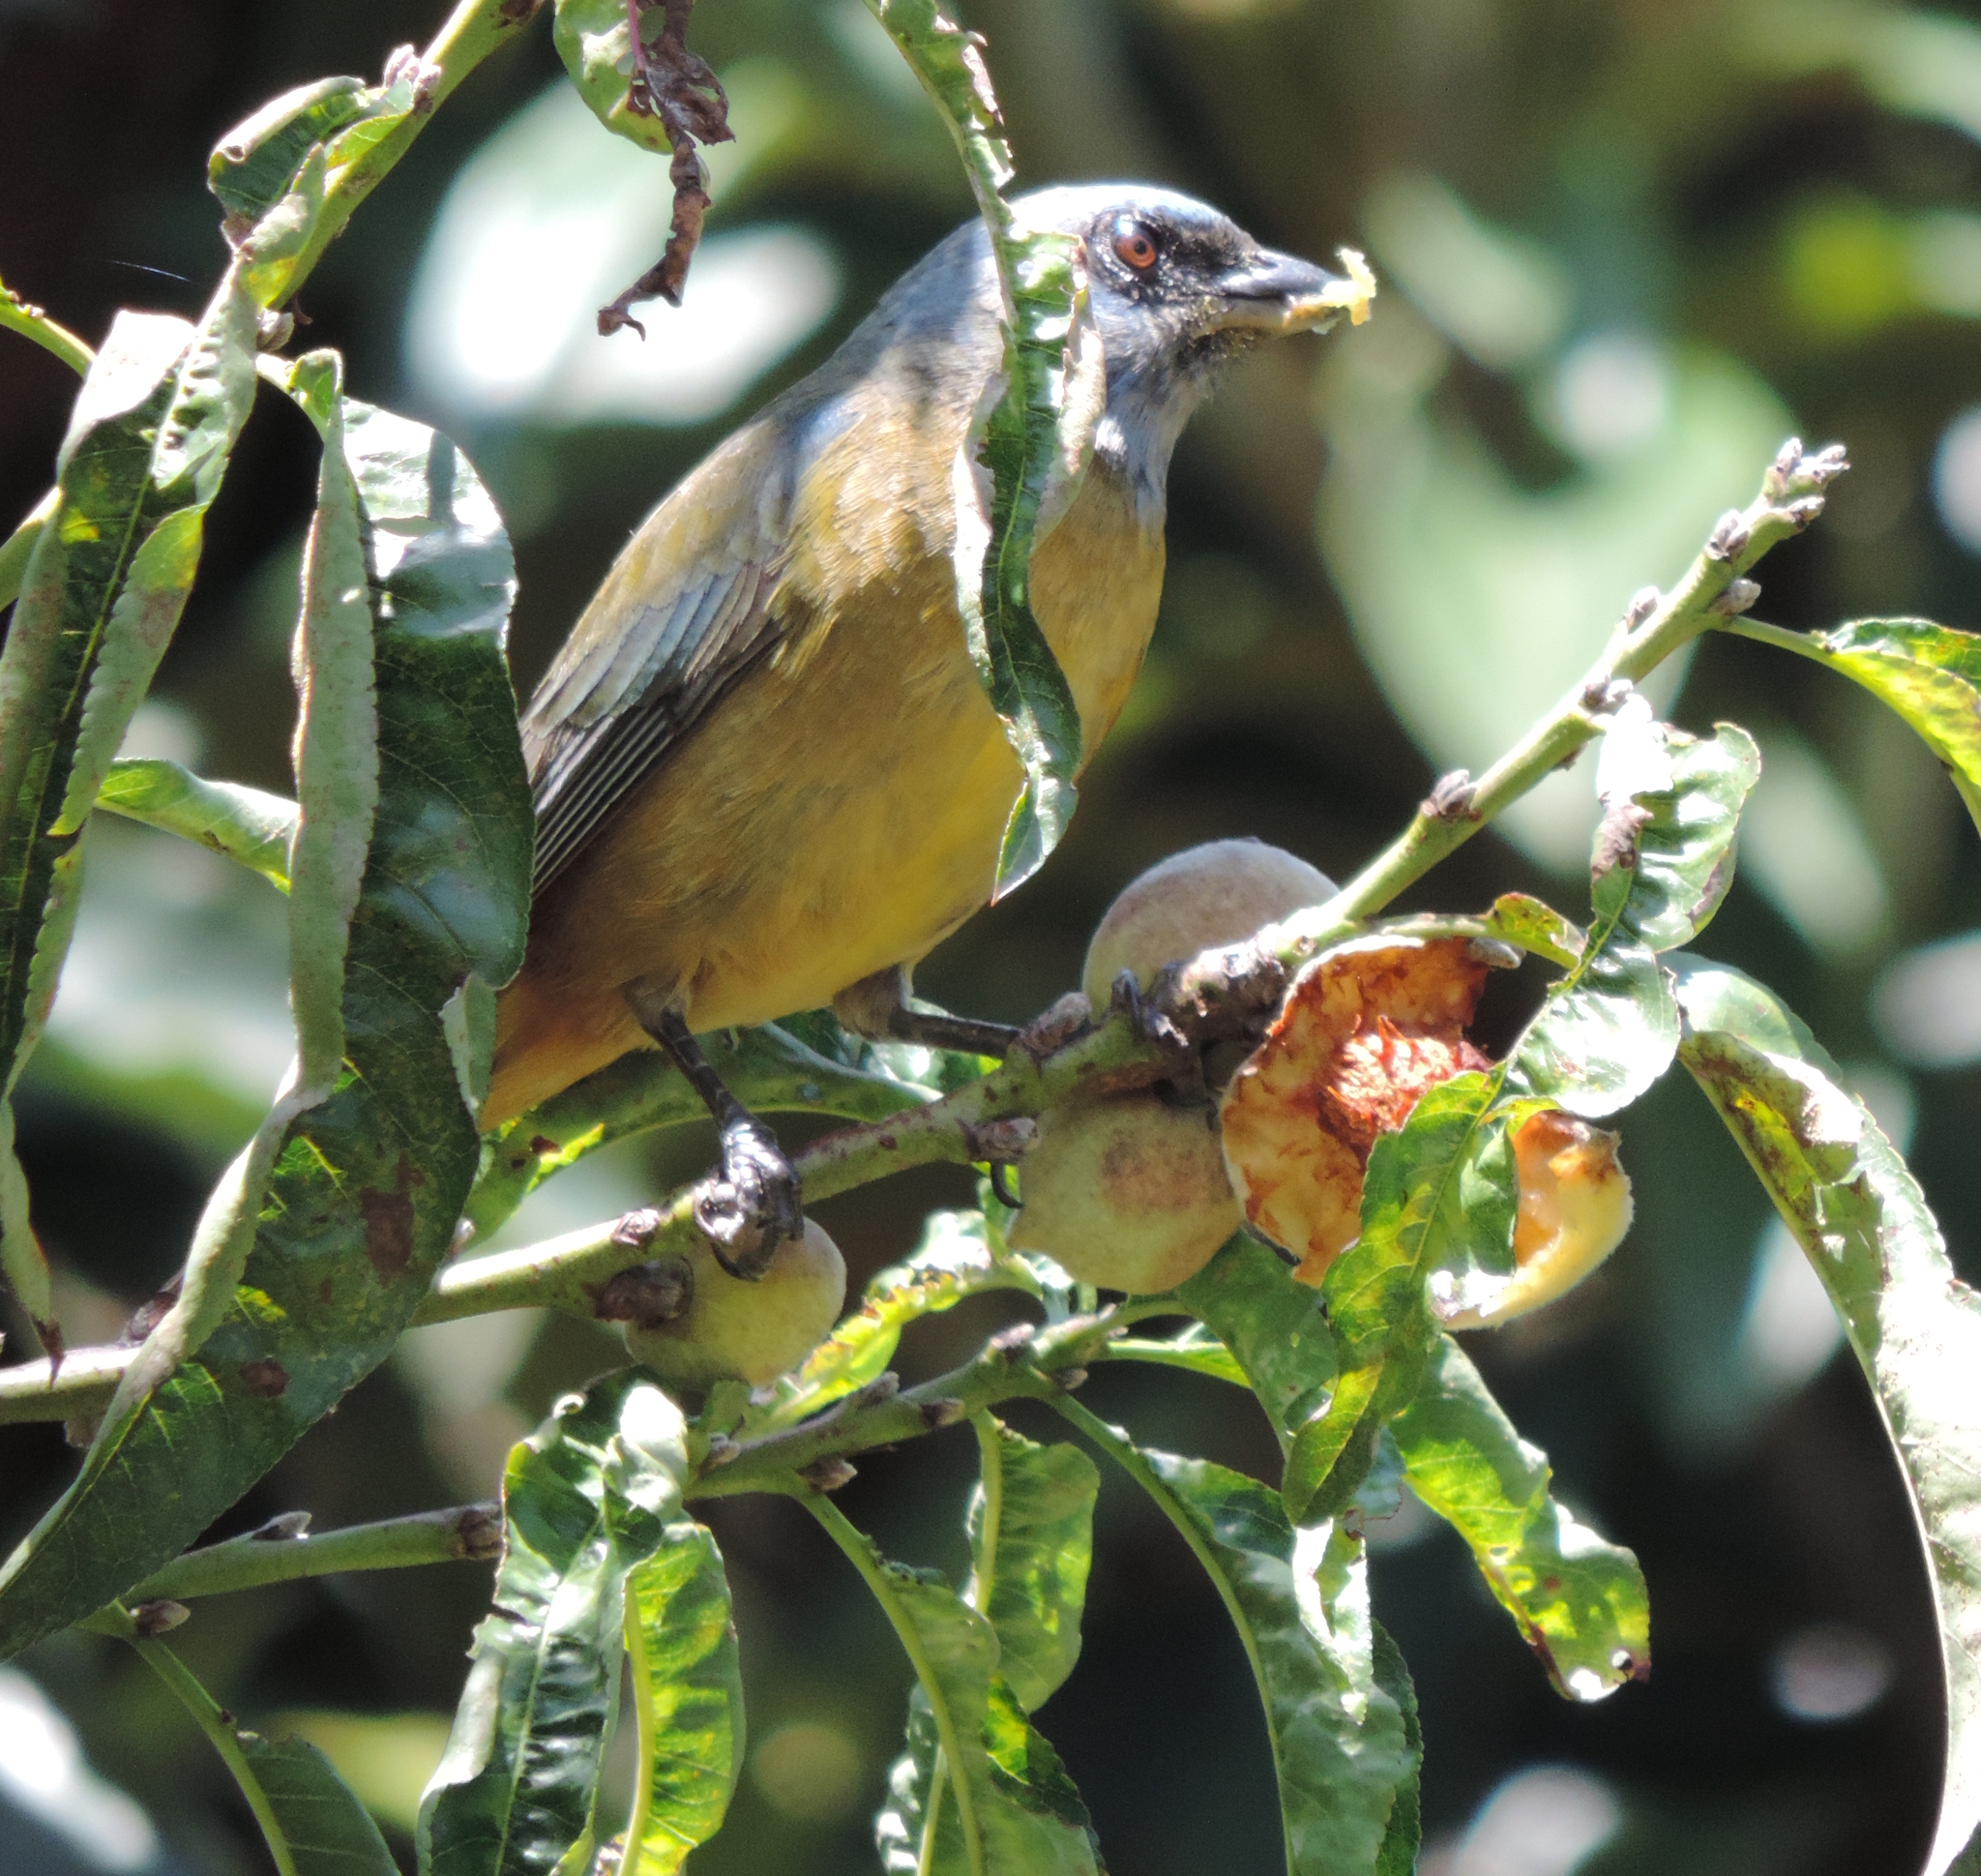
(461, 1534)
(1117, 1055)
(31, 322)
(469, 35)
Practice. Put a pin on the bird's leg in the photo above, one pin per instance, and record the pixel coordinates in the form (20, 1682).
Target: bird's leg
(879, 1008)
(755, 1203)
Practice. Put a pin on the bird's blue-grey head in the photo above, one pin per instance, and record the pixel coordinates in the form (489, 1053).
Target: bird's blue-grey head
(1177, 288)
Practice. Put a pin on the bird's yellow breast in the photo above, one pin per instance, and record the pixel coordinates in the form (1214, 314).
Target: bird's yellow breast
(840, 810)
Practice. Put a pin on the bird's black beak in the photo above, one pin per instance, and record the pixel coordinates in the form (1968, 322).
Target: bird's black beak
(1273, 292)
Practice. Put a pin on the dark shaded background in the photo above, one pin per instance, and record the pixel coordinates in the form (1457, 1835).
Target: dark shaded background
(1624, 249)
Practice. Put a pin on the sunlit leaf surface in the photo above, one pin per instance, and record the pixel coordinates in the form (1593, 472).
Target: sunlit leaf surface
(1915, 1327)
(1031, 1524)
(1580, 1602)
(589, 1498)
(1299, 1600)
(366, 1186)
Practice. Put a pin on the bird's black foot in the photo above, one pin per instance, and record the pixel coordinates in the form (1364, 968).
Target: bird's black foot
(879, 1008)
(748, 1207)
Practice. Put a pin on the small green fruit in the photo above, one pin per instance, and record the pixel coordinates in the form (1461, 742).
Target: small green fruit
(733, 1330)
(1214, 894)
(1127, 1193)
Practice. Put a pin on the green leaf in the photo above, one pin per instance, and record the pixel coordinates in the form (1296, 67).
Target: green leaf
(102, 588)
(1691, 791)
(1580, 1602)
(277, 173)
(1404, 1835)
(686, 1697)
(1928, 673)
(324, 1829)
(1275, 1329)
(337, 746)
(1194, 1350)
(1036, 1827)
(366, 1186)
(247, 824)
(1300, 1600)
(1664, 860)
(311, 1822)
(588, 1498)
(1031, 1524)
(596, 46)
(148, 442)
(1915, 1327)
(1535, 926)
(952, 1262)
(767, 1068)
(979, 1789)
(1422, 1202)
(20, 1252)
(252, 167)
(1023, 451)
(1028, 448)
(20, 544)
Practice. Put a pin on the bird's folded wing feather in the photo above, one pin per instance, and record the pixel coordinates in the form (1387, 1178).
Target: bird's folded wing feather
(686, 611)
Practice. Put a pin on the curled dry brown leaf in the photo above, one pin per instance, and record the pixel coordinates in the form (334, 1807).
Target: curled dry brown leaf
(671, 83)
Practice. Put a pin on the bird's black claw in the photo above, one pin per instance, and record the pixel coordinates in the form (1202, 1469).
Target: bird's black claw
(755, 1203)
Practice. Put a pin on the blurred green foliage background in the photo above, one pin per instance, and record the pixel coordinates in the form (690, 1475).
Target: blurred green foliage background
(1626, 248)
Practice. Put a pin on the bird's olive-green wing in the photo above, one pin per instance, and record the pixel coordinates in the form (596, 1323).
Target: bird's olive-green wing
(686, 610)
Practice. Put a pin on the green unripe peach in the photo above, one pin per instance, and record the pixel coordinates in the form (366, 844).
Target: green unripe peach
(1214, 894)
(1127, 1193)
(733, 1330)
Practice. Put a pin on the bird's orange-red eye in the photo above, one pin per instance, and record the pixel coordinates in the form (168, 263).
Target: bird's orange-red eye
(1136, 246)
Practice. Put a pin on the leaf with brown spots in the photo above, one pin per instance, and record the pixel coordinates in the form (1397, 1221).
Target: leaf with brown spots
(1915, 1328)
(1580, 1602)
(1663, 862)
(364, 1187)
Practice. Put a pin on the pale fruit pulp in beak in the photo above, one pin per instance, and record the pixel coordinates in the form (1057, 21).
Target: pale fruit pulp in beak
(1281, 294)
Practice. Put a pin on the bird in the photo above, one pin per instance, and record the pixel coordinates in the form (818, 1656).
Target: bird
(765, 775)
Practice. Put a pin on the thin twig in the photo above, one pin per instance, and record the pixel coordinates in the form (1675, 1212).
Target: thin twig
(1218, 986)
(31, 322)
(469, 35)
(226, 1741)
(461, 1534)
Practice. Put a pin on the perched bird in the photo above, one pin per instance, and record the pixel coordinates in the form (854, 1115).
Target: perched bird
(765, 774)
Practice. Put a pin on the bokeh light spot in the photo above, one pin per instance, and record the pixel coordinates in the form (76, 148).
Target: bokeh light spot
(550, 221)
(1957, 479)
(43, 1771)
(1928, 1003)
(1610, 396)
(1802, 844)
(808, 1771)
(1829, 1671)
(1546, 1821)
(1791, 1329)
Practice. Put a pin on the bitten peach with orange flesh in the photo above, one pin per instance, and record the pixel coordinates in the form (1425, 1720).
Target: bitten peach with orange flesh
(1363, 1032)
(1575, 1208)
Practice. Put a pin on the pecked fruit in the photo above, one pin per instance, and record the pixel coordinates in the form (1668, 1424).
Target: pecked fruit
(1575, 1208)
(733, 1330)
(1365, 1030)
(1214, 894)
(1127, 1192)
